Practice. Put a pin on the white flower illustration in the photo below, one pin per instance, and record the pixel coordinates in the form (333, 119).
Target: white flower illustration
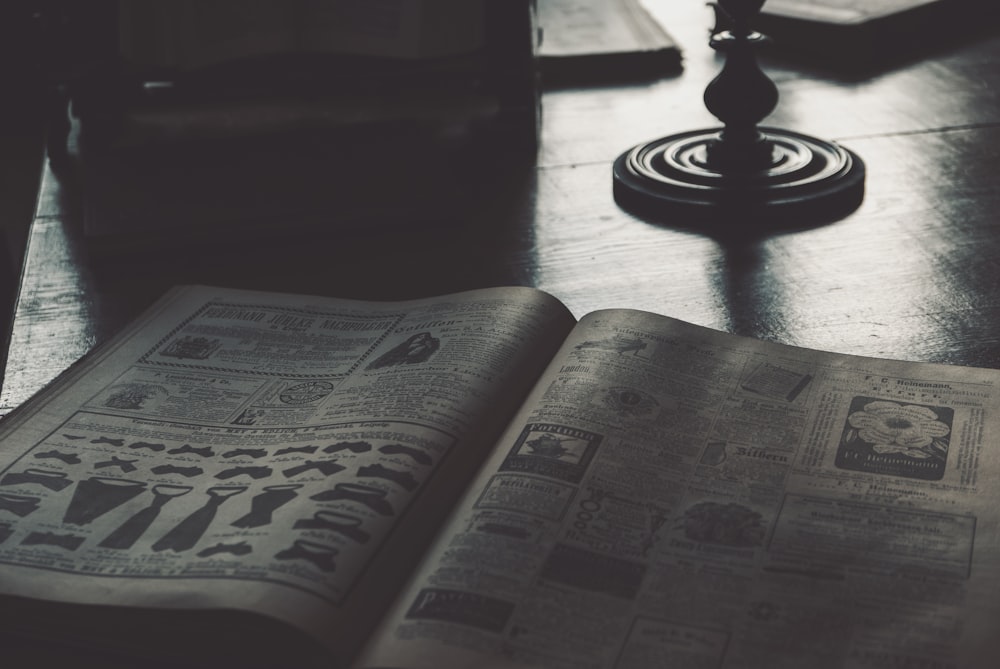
(906, 429)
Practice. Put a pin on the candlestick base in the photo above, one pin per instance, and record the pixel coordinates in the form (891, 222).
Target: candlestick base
(675, 178)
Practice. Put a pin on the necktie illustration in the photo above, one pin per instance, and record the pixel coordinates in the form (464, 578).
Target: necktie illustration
(129, 532)
(241, 548)
(19, 505)
(402, 478)
(263, 505)
(373, 498)
(203, 451)
(68, 541)
(44, 477)
(325, 467)
(334, 521)
(416, 454)
(122, 464)
(68, 458)
(190, 530)
(98, 495)
(320, 555)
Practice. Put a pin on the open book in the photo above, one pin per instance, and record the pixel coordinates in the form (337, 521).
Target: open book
(588, 41)
(477, 480)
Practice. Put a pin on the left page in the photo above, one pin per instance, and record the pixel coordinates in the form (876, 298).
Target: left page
(285, 455)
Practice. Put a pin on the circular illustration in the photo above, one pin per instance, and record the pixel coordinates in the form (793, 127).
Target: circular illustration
(304, 393)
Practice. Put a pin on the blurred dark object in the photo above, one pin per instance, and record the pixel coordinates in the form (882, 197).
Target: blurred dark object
(768, 178)
(88, 44)
(21, 56)
(288, 136)
(855, 35)
(23, 62)
(47, 44)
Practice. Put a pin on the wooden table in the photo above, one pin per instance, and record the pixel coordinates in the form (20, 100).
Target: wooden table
(912, 274)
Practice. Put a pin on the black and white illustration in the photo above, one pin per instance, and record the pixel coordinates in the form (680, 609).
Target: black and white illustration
(319, 555)
(249, 416)
(237, 549)
(715, 453)
(125, 535)
(618, 343)
(13, 504)
(95, 496)
(415, 349)
(308, 392)
(35, 477)
(896, 438)
(460, 606)
(191, 348)
(344, 524)
(55, 454)
(555, 451)
(525, 494)
(605, 517)
(186, 472)
(593, 571)
(723, 524)
(187, 533)
(630, 402)
(266, 502)
(169, 393)
(777, 382)
(69, 542)
(310, 505)
(370, 497)
(246, 341)
(133, 396)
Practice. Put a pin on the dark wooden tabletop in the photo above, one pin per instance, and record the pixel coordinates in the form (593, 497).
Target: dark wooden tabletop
(914, 273)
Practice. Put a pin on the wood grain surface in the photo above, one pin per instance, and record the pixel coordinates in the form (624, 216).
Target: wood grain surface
(912, 274)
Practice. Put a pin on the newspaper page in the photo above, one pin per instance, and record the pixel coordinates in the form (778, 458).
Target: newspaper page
(671, 496)
(260, 450)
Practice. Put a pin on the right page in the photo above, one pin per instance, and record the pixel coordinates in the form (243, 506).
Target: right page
(672, 496)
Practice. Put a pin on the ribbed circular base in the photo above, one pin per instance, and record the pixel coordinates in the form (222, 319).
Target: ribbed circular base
(809, 180)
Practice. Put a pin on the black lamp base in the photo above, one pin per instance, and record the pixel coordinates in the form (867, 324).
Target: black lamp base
(806, 178)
